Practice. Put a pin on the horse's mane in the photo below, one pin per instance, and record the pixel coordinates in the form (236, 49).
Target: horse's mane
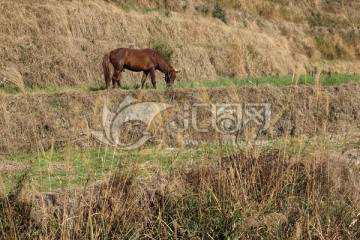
(164, 64)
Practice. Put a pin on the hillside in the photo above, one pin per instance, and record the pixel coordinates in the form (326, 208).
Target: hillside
(61, 43)
(258, 138)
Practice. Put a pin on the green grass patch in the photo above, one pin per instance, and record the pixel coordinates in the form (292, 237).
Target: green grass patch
(51, 90)
(66, 168)
(54, 170)
(324, 80)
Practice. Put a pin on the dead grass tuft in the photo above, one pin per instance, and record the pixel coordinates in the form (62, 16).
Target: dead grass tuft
(12, 74)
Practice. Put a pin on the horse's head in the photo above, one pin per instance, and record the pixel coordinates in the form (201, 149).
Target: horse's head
(170, 77)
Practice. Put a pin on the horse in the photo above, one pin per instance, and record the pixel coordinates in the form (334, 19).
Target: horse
(137, 60)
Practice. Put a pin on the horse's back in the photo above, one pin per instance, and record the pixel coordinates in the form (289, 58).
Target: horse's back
(146, 52)
(118, 51)
(136, 59)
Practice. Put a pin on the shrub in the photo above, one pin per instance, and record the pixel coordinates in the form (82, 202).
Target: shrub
(219, 12)
(330, 49)
(203, 9)
(162, 48)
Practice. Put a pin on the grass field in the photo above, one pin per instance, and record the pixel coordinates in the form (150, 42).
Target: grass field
(323, 80)
(58, 170)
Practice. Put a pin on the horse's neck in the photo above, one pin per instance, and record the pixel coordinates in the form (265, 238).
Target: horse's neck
(164, 66)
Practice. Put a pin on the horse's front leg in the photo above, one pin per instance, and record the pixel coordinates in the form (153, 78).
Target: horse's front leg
(143, 79)
(153, 80)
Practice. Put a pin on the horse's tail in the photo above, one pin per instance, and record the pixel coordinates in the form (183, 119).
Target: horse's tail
(106, 67)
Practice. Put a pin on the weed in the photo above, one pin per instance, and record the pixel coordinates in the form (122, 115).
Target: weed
(330, 49)
(126, 8)
(245, 24)
(219, 12)
(203, 9)
(252, 51)
(83, 48)
(11, 74)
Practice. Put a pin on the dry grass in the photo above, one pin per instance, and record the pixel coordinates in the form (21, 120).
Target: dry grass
(255, 195)
(12, 74)
(62, 43)
(54, 119)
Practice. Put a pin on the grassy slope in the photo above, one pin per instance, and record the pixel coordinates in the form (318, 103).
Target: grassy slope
(61, 43)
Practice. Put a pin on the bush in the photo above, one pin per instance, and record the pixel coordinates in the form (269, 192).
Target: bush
(330, 49)
(203, 9)
(219, 13)
(161, 48)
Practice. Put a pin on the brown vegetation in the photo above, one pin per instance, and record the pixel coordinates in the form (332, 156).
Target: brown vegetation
(271, 195)
(60, 43)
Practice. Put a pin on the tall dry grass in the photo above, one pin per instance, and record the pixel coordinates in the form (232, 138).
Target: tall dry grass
(256, 195)
(12, 74)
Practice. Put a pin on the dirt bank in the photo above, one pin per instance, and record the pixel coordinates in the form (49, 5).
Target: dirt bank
(30, 122)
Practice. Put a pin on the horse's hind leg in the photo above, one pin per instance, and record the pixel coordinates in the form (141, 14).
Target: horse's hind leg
(118, 83)
(113, 81)
(116, 78)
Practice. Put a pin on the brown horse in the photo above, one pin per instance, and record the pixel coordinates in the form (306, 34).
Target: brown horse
(145, 60)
